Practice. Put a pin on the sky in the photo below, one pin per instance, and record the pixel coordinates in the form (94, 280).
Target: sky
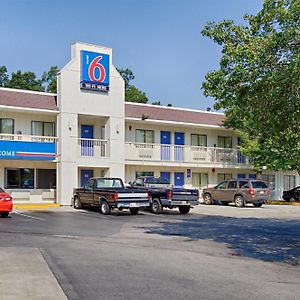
(159, 40)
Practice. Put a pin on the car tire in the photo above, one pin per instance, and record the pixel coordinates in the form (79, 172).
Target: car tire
(208, 199)
(156, 206)
(257, 204)
(77, 203)
(184, 209)
(239, 201)
(292, 199)
(104, 208)
(4, 214)
(134, 210)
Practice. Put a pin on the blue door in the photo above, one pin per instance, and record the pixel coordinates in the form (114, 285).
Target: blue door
(87, 146)
(165, 140)
(252, 176)
(85, 176)
(179, 146)
(178, 179)
(166, 175)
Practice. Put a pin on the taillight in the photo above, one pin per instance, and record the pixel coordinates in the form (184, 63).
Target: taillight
(169, 195)
(251, 192)
(116, 196)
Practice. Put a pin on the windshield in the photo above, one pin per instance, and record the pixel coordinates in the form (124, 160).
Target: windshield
(108, 183)
(157, 180)
(259, 185)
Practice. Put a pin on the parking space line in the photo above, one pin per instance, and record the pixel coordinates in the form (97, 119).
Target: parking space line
(31, 217)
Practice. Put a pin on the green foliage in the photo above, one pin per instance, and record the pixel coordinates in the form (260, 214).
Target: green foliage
(3, 75)
(258, 83)
(50, 79)
(26, 81)
(127, 75)
(132, 94)
(156, 103)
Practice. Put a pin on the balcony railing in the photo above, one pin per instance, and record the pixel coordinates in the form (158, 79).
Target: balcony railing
(177, 153)
(92, 147)
(28, 138)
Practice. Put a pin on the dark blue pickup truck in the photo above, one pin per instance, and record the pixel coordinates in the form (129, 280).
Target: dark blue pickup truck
(162, 194)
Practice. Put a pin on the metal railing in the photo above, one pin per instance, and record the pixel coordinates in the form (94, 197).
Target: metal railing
(28, 138)
(92, 147)
(178, 153)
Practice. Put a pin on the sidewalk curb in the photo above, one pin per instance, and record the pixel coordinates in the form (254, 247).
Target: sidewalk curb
(283, 203)
(27, 206)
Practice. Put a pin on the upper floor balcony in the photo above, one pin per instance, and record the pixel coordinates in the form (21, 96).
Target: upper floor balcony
(178, 154)
(27, 138)
(92, 148)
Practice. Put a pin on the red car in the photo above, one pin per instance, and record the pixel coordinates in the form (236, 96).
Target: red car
(6, 205)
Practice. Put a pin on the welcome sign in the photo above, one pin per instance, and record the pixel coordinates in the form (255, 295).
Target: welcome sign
(27, 150)
(94, 71)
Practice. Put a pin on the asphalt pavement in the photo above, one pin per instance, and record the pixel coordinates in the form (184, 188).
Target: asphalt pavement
(216, 252)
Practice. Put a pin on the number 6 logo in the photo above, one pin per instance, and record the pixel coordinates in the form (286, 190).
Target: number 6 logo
(95, 64)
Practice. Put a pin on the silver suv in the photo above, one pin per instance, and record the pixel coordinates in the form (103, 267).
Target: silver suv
(239, 191)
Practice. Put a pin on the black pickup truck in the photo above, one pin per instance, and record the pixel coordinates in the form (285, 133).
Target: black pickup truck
(109, 193)
(162, 194)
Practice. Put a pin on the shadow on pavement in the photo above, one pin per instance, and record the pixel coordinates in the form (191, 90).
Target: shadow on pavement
(264, 239)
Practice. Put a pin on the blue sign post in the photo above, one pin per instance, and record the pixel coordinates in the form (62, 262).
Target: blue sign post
(27, 150)
(94, 71)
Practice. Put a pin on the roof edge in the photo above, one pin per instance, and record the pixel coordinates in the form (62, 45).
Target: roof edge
(26, 91)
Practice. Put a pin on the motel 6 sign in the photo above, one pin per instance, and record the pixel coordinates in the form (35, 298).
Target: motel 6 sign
(94, 71)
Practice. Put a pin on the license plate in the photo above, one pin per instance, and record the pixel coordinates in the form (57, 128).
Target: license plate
(133, 205)
(261, 192)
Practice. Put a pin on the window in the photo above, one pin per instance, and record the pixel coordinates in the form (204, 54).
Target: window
(7, 126)
(224, 176)
(269, 180)
(232, 184)
(89, 184)
(252, 176)
(259, 185)
(244, 184)
(289, 182)
(224, 141)
(108, 183)
(142, 173)
(42, 128)
(144, 136)
(199, 180)
(46, 178)
(241, 175)
(199, 140)
(19, 178)
(222, 185)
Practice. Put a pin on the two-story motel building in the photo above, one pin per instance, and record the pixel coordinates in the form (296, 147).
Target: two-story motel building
(51, 143)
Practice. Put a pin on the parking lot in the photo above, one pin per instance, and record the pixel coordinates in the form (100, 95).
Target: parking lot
(215, 252)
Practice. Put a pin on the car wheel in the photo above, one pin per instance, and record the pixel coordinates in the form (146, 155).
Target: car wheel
(184, 209)
(77, 203)
(156, 206)
(292, 199)
(104, 208)
(4, 214)
(257, 204)
(134, 211)
(239, 201)
(208, 199)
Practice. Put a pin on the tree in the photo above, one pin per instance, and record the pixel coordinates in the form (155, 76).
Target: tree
(3, 75)
(26, 81)
(258, 83)
(132, 94)
(156, 103)
(50, 79)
